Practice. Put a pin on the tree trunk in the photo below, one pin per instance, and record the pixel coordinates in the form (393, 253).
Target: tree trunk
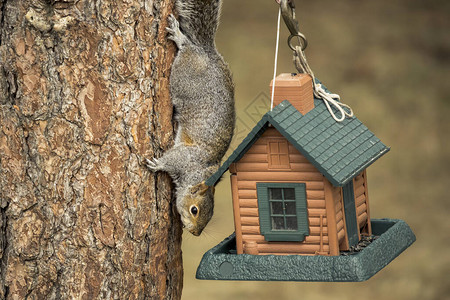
(83, 97)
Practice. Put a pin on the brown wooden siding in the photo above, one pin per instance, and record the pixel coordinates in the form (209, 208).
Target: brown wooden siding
(237, 214)
(333, 233)
(253, 168)
(340, 217)
(310, 186)
(361, 202)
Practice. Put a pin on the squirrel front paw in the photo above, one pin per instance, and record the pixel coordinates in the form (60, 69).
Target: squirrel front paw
(174, 32)
(153, 165)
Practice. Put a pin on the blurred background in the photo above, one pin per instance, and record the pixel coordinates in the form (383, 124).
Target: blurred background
(389, 60)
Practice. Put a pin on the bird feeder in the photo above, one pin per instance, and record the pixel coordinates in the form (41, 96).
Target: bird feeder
(300, 190)
(301, 198)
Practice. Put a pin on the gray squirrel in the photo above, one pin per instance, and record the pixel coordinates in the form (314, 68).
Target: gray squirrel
(202, 93)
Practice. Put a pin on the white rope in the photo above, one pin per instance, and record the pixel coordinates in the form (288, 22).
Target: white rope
(332, 99)
(319, 92)
(276, 60)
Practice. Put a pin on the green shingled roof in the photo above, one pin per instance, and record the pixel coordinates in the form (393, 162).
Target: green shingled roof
(339, 150)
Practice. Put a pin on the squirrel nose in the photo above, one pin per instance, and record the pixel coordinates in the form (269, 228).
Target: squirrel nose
(195, 232)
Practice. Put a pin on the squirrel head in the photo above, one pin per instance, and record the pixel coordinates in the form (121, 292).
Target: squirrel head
(197, 208)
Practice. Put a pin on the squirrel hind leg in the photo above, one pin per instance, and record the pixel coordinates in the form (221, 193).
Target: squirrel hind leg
(175, 33)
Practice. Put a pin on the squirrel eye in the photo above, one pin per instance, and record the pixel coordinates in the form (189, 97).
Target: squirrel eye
(194, 210)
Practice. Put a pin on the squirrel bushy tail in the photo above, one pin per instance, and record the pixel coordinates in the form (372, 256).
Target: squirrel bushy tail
(199, 20)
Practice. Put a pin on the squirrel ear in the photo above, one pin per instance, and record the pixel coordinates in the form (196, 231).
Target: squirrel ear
(200, 188)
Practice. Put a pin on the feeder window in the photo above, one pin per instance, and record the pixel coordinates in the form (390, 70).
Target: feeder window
(282, 211)
(278, 152)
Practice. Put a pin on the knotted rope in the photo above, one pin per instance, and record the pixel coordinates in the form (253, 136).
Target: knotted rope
(319, 92)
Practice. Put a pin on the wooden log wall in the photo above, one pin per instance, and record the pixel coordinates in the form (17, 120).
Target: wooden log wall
(253, 168)
(362, 202)
(339, 217)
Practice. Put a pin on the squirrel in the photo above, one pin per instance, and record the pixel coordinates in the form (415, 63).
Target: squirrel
(202, 92)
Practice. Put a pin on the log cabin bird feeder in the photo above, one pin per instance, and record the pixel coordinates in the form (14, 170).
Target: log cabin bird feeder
(300, 197)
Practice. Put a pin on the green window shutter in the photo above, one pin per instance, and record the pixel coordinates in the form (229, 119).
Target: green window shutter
(263, 207)
(269, 219)
(302, 209)
(350, 213)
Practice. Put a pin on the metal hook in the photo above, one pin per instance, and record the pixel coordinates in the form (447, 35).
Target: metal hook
(288, 13)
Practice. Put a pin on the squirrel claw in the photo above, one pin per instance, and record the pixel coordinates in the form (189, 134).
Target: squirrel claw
(174, 26)
(152, 164)
(171, 32)
(174, 31)
(173, 22)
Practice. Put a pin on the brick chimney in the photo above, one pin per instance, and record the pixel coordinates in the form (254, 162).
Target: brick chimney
(297, 88)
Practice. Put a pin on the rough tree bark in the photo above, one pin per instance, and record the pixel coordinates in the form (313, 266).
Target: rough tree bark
(83, 97)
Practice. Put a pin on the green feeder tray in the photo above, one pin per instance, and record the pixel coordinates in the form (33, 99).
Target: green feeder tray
(222, 262)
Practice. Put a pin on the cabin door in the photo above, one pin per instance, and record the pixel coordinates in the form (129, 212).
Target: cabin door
(350, 214)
